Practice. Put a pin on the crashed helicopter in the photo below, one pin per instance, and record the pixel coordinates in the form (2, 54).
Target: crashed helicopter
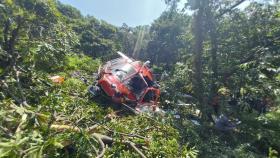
(127, 81)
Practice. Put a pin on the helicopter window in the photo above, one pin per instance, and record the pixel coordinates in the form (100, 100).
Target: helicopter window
(150, 96)
(149, 82)
(136, 84)
(122, 71)
(120, 74)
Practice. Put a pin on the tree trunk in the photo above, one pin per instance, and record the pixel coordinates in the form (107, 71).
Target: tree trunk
(198, 51)
(212, 23)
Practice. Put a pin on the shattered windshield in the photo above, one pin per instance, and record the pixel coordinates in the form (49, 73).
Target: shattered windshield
(136, 84)
(149, 96)
(123, 71)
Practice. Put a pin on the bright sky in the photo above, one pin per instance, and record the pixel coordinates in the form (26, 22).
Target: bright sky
(117, 12)
(131, 12)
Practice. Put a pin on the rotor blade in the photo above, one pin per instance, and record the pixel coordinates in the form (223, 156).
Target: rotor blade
(125, 57)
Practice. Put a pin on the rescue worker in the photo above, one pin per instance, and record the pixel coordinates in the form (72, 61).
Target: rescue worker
(225, 124)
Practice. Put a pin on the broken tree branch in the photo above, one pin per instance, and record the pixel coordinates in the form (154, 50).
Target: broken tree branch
(102, 139)
(19, 86)
(102, 145)
(230, 8)
(63, 128)
(110, 140)
(132, 145)
(126, 134)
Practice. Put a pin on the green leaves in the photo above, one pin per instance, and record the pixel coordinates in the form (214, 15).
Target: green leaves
(166, 42)
(51, 55)
(190, 152)
(82, 63)
(2, 6)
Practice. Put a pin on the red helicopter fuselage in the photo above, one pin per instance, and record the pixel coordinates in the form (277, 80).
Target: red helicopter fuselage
(126, 80)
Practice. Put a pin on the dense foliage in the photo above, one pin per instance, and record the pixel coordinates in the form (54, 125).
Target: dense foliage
(214, 50)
